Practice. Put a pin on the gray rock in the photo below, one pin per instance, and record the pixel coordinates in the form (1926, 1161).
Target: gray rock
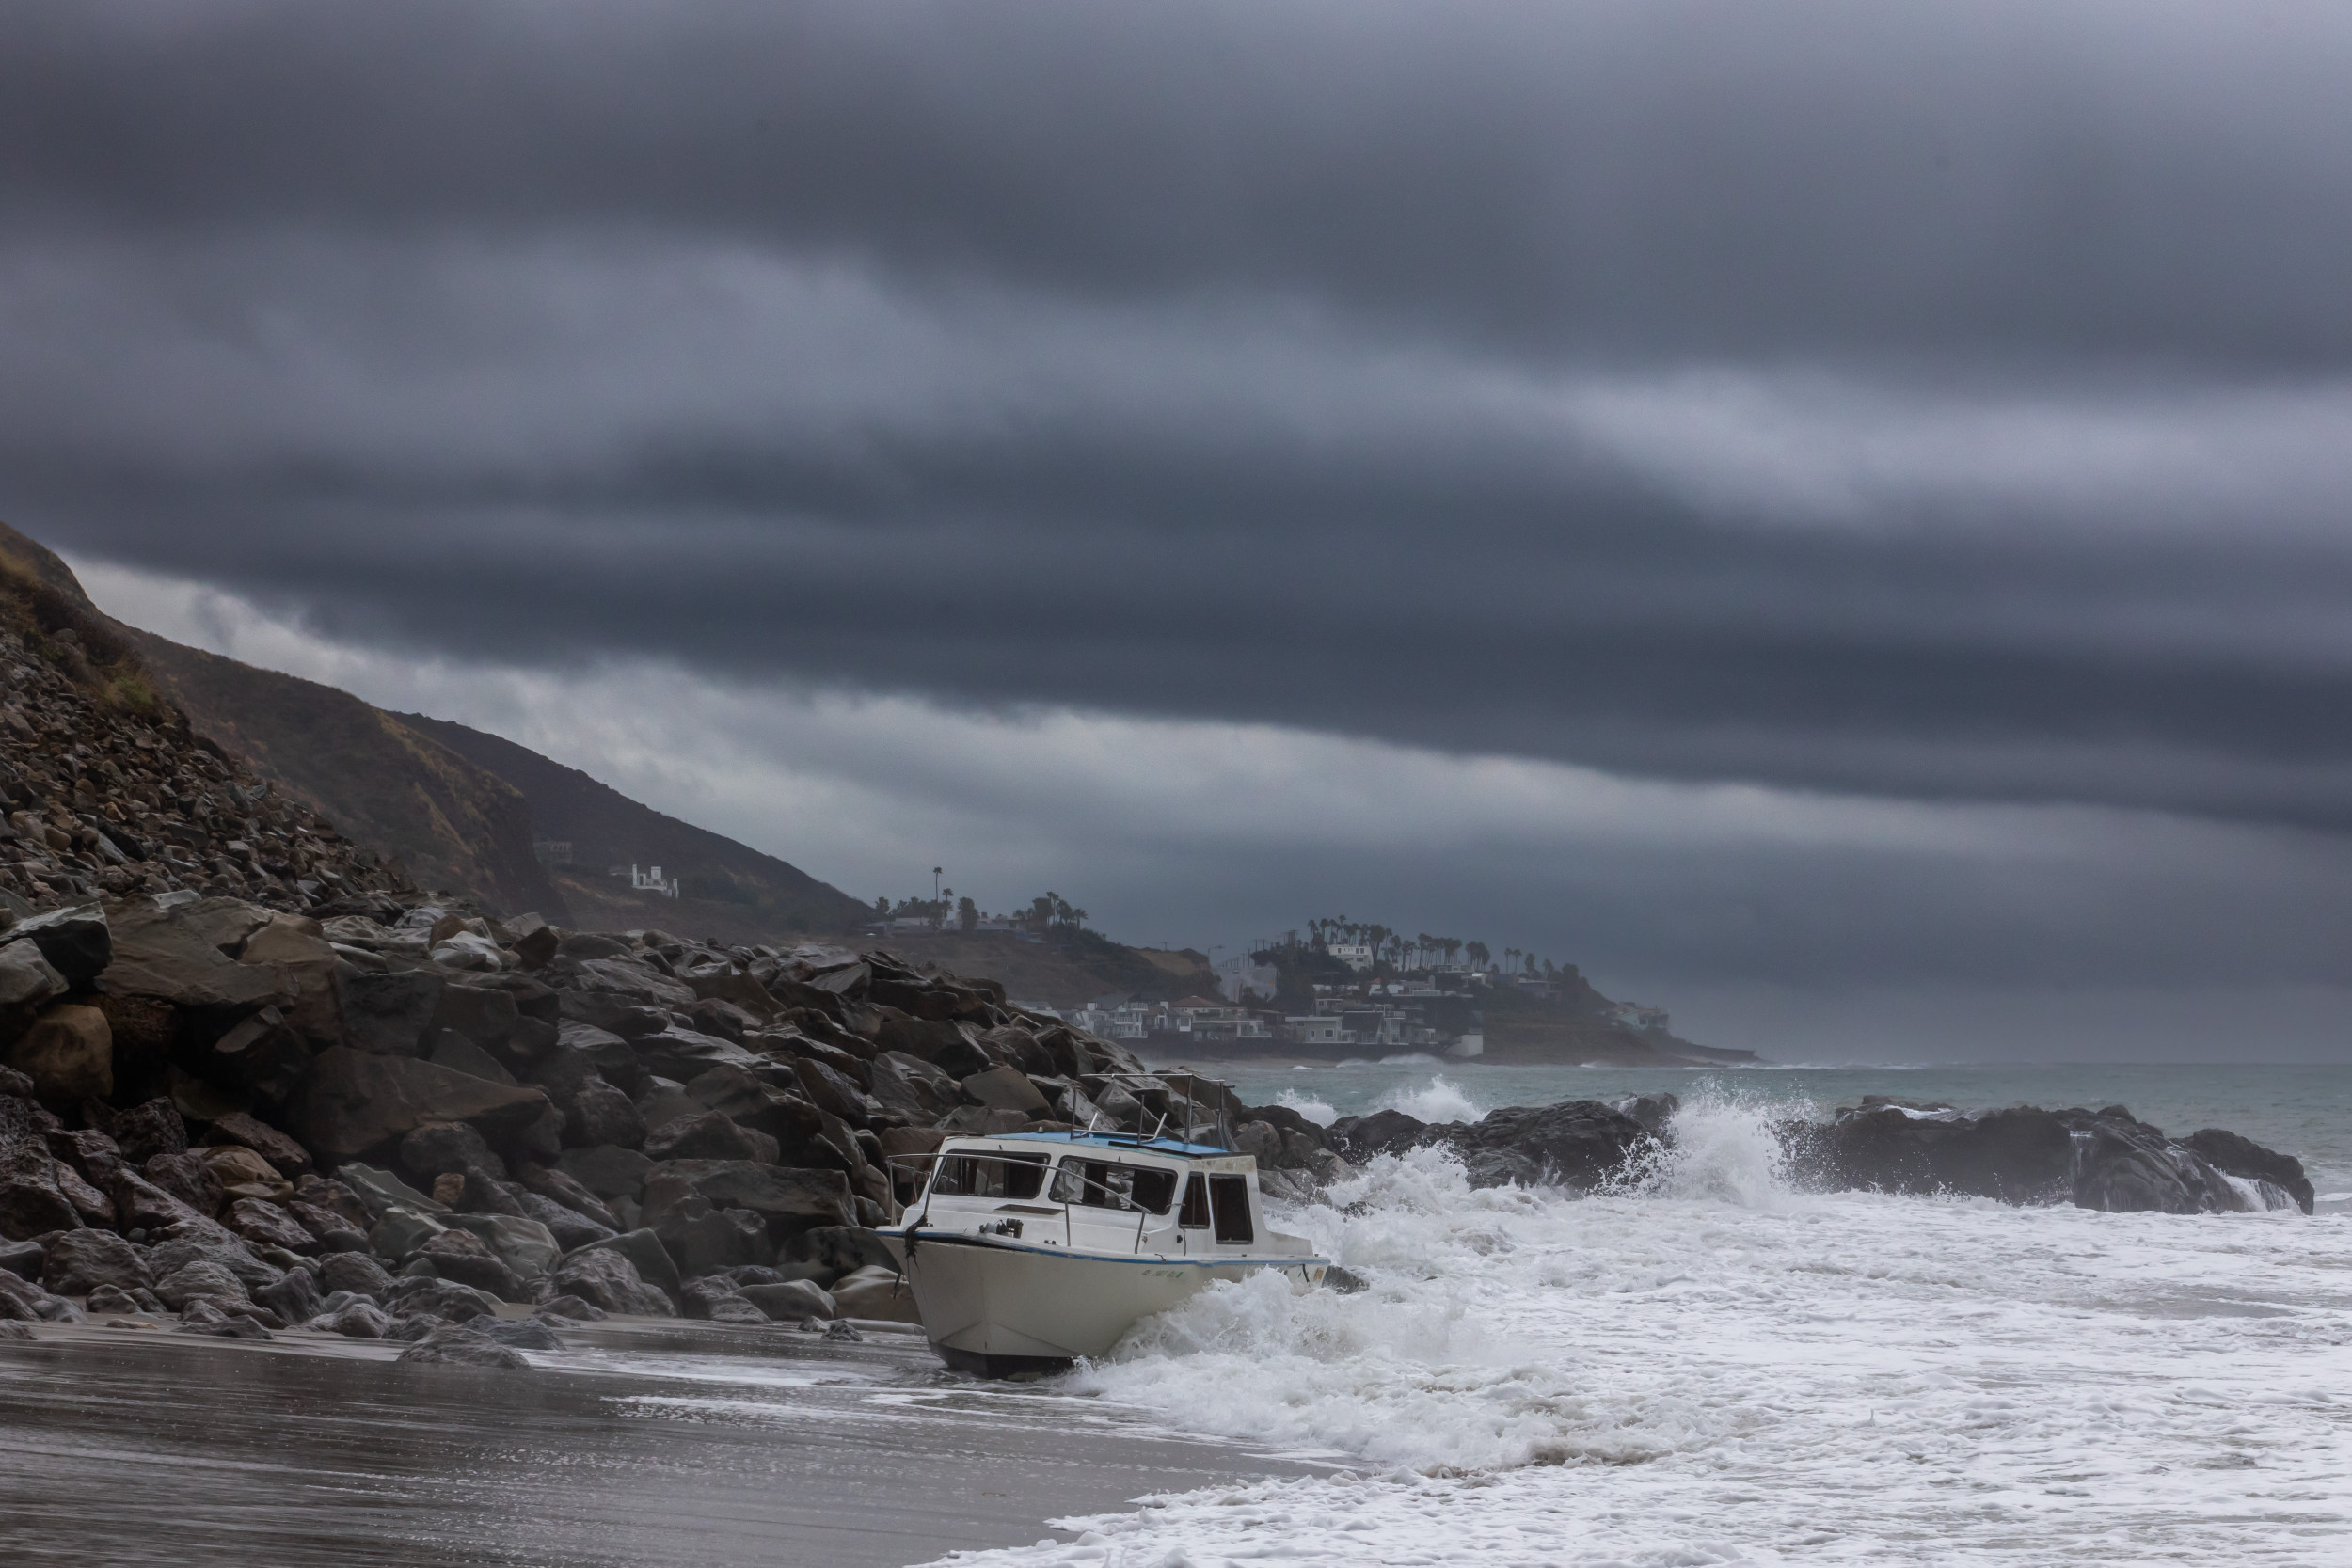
(571, 1229)
(456, 1052)
(111, 1301)
(570, 1308)
(606, 1279)
(794, 1301)
(24, 1258)
(483, 1015)
(200, 1280)
(646, 1255)
(684, 1053)
(450, 1345)
(785, 1192)
(441, 1148)
(400, 1234)
(521, 1333)
(379, 1190)
(524, 1244)
(390, 1014)
(608, 1172)
(439, 1298)
(467, 1260)
(356, 1272)
(211, 1243)
(27, 980)
(147, 1129)
(79, 1261)
(13, 1330)
(355, 1319)
(75, 942)
(597, 1113)
(294, 1297)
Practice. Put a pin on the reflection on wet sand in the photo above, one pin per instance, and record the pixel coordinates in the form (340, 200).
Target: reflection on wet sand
(636, 1444)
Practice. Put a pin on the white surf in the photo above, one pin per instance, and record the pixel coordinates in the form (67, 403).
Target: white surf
(1710, 1367)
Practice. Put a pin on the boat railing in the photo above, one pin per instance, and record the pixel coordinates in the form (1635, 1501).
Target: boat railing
(1045, 1192)
(1220, 1122)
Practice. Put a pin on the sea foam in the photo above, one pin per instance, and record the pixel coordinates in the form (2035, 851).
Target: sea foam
(1707, 1366)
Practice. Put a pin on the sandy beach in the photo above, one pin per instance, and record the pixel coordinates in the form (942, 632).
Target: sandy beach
(652, 1442)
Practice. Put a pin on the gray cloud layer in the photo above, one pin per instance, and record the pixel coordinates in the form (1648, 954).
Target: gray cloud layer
(1943, 401)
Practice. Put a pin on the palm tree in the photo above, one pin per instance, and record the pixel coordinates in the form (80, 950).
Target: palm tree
(1477, 954)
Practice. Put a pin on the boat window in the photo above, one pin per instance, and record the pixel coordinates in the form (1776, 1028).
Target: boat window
(1196, 1212)
(1013, 1176)
(1228, 1195)
(1104, 1184)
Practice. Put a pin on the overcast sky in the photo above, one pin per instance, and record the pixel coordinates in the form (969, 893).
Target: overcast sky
(1831, 516)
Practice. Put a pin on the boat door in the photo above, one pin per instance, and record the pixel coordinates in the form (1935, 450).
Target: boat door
(1192, 1215)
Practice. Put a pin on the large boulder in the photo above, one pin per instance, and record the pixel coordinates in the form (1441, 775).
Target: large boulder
(875, 1292)
(200, 1280)
(166, 954)
(645, 1253)
(597, 1113)
(288, 1157)
(268, 1225)
(1003, 1088)
(683, 1053)
(146, 1129)
(2018, 1155)
(453, 1346)
(390, 1014)
(521, 1243)
(559, 1187)
(571, 1228)
(798, 1195)
(606, 1279)
(630, 981)
(2123, 1165)
(468, 1259)
(357, 1101)
(707, 1136)
(262, 1053)
(2248, 1161)
(27, 980)
(605, 1171)
(792, 1301)
(76, 941)
(67, 1054)
(357, 1272)
(438, 1148)
(79, 1261)
(189, 1178)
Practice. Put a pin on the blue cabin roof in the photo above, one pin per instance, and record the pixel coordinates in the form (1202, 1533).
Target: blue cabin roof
(1117, 1140)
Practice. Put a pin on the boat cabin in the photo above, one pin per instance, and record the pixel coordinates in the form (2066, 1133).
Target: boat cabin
(1097, 1192)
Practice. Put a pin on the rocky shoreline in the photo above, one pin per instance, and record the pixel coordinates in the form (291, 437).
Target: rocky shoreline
(2104, 1160)
(385, 1118)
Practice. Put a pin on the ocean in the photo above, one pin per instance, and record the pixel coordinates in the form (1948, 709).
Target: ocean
(1712, 1367)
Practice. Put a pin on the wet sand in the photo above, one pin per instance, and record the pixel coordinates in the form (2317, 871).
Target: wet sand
(638, 1444)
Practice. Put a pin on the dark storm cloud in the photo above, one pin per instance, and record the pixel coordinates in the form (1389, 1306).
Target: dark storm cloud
(1257, 362)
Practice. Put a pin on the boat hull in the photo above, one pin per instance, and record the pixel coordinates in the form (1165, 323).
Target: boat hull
(997, 1309)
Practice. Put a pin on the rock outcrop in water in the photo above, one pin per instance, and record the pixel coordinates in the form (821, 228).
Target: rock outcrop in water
(1578, 1144)
(2105, 1160)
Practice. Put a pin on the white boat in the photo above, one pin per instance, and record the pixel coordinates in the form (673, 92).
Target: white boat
(1028, 1251)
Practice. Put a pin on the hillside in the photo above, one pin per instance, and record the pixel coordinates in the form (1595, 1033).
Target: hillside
(462, 810)
(1064, 975)
(730, 889)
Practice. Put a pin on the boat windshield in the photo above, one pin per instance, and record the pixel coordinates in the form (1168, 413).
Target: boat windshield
(1106, 1184)
(1013, 1176)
